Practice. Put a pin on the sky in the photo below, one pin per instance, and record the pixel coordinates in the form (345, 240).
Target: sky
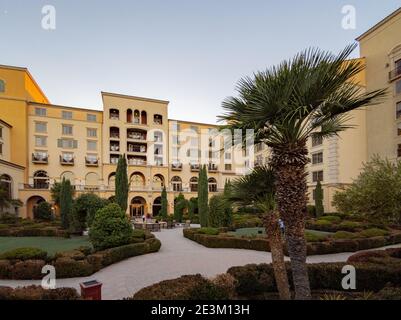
(191, 53)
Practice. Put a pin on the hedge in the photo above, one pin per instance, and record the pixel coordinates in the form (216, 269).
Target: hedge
(24, 254)
(38, 293)
(32, 231)
(76, 263)
(313, 248)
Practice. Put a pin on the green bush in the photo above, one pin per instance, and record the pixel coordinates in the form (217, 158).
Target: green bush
(350, 226)
(110, 228)
(323, 222)
(117, 254)
(314, 237)
(344, 235)
(374, 232)
(192, 287)
(86, 206)
(333, 219)
(5, 269)
(67, 267)
(24, 254)
(38, 293)
(43, 211)
(311, 211)
(246, 221)
(209, 231)
(27, 270)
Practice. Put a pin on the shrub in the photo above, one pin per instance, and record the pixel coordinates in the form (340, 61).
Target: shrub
(24, 254)
(110, 228)
(311, 211)
(344, 235)
(27, 270)
(314, 237)
(333, 219)
(43, 211)
(85, 208)
(117, 254)
(5, 269)
(192, 287)
(209, 231)
(38, 293)
(323, 222)
(389, 293)
(350, 226)
(67, 267)
(367, 256)
(374, 232)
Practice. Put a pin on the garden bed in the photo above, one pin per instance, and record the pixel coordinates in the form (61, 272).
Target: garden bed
(31, 228)
(27, 264)
(318, 245)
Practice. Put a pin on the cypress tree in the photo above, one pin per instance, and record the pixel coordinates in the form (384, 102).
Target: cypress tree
(65, 203)
(203, 194)
(164, 208)
(122, 183)
(319, 200)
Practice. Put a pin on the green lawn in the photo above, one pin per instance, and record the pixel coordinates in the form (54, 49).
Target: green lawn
(49, 244)
(251, 232)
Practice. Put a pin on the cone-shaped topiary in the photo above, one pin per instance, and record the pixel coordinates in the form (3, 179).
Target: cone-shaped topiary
(203, 194)
(122, 183)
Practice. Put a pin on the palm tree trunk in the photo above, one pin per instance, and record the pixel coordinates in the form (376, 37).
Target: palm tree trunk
(291, 196)
(276, 248)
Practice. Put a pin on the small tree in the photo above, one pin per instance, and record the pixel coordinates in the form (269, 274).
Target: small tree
(43, 211)
(217, 206)
(164, 207)
(65, 203)
(228, 211)
(55, 193)
(203, 194)
(85, 208)
(319, 200)
(192, 208)
(180, 204)
(110, 228)
(122, 183)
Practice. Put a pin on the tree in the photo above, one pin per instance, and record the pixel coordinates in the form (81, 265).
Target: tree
(192, 208)
(43, 211)
(203, 196)
(6, 201)
(217, 206)
(65, 203)
(164, 208)
(258, 189)
(110, 228)
(228, 211)
(309, 95)
(180, 204)
(55, 193)
(375, 194)
(319, 200)
(122, 183)
(85, 208)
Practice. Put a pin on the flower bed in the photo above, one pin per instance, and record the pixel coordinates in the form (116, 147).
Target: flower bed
(323, 246)
(27, 264)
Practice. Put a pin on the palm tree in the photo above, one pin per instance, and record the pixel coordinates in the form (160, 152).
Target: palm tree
(258, 189)
(309, 95)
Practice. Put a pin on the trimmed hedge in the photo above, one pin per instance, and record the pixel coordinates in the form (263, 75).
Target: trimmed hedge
(76, 263)
(24, 254)
(38, 293)
(32, 231)
(313, 248)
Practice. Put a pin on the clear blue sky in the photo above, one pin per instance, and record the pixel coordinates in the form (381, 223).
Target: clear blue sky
(189, 52)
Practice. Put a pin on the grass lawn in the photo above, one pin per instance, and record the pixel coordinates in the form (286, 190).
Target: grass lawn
(49, 244)
(252, 232)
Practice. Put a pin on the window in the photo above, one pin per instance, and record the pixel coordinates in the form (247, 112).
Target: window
(91, 117)
(227, 156)
(40, 127)
(67, 143)
(158, 119)
(398, 109)
(158, 136)
(66, 130)
(228, 167)
(5, 183)
(40, 141)
(212, 183)
(194, 128)
(92, 145)
(175, 139)
(40, 112)
(193, 184)
(317, 158)
(91, 132)
(158, 149)
(317, 176)
(114, 114)
(40, 180)
(398, 66)
(66, 115)
(2, 86)
(177, 184)
(398, 87)
(194, 142)
(67, 157)
(317, 141)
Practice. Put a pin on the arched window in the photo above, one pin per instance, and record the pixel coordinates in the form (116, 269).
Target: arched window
(158, 119)
(212, 185)
(193, 184)
(114, 114)
(176, 183)
(144, 117)
(40, 180)
(2, 86)
(112, 180)
(91, 180)
(158, 136)
(137, 180)
(129, 116)
(137, 115)
(68, 175)
(6, 185)
(158, 181)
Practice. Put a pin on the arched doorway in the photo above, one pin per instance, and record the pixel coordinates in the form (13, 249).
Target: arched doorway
(31, 204)
(157, 205)
(138, 207)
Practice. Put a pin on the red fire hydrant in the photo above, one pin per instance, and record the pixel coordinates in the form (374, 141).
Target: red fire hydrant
(91, 290)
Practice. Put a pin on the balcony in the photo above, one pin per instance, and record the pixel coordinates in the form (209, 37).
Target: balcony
(114, 136)
(395, 74)
(195, 167)
(136, 135)
(67, 161)
(136, 148)
(91, 162)
(40, 158)
(212, 167)
(136, 162)
(114, 148)
(176, 166)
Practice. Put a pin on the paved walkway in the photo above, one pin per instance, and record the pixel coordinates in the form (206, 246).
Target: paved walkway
(177, 256)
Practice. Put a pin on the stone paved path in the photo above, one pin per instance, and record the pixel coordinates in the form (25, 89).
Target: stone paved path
(177, 256)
